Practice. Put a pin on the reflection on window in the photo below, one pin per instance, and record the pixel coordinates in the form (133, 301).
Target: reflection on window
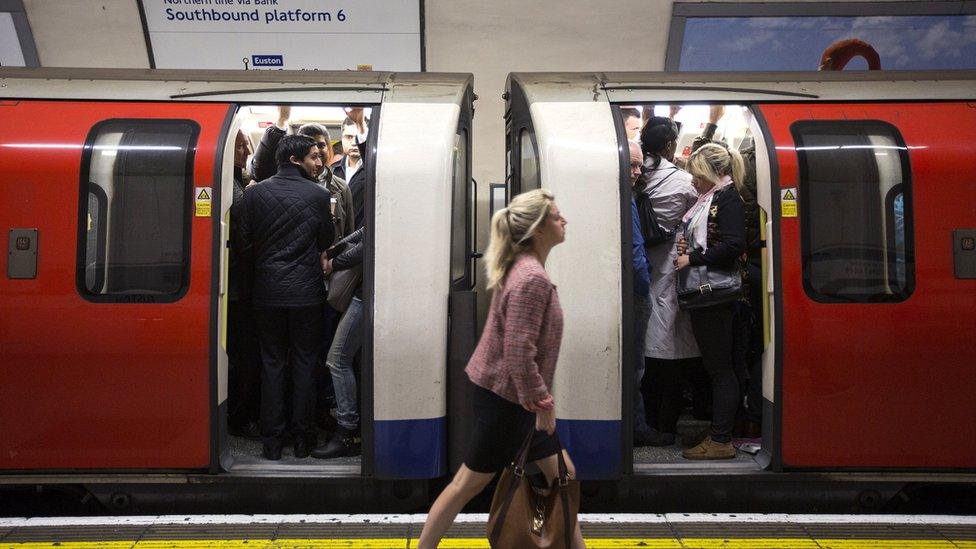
(529, 162)
(459, 208)
(137, 175)
(855, 211)
(904, 42)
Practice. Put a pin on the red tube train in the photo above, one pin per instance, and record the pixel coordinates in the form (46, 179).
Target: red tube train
(113, 310)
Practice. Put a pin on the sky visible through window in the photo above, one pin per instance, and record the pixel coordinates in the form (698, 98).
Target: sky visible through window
(925, 42)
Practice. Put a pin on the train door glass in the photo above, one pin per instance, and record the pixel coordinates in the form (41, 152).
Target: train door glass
(242, 450)
(675, 390)
(854, 202)
(135, 230)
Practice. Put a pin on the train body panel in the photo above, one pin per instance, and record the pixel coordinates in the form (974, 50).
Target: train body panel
(886, 383)
(89, 384)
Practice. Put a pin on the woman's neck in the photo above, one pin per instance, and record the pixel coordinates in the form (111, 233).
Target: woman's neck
(541, 252)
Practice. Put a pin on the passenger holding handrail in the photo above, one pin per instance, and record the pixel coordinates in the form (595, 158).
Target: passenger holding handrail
(716, 172)
(514, 364)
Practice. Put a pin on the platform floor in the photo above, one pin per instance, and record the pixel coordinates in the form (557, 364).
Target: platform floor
(400, 531)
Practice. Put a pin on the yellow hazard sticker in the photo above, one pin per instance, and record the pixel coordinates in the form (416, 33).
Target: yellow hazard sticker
(788, 202)
(203, 201)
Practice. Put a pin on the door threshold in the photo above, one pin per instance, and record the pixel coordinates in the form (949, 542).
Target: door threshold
(699, 468)
(291, 470)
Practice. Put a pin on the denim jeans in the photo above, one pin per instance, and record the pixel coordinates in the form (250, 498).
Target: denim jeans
(642, 314)
(346, 343)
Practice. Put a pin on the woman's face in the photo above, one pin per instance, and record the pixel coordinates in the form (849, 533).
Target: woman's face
(553, 228)
(701, 184)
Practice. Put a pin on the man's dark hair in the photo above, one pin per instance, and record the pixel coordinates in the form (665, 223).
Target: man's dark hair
(629, 112)
(312, 130)
(293, 145)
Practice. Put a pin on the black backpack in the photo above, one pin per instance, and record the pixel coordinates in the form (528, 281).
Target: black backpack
(651, 230)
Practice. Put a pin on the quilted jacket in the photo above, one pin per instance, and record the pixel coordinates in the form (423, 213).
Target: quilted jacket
(285, 226)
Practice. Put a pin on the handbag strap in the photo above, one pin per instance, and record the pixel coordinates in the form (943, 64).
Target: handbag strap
(518, 470)
(563, 483)
(661, 182)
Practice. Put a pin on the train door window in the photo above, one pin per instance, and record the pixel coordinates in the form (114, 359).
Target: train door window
(855, 211)
(136, 179)
(528, 162)
(461, 210)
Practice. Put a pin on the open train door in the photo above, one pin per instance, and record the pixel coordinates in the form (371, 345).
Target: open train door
(106, 303)
(874, 322)
(463, 305)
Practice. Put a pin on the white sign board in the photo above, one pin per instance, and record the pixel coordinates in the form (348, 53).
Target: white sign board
(284, 34)
(11, 54)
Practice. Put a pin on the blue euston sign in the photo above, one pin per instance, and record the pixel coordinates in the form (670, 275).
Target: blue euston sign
(268, 60)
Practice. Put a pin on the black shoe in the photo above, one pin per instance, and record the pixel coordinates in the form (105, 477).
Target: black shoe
(326, 422)
(272, 451)
(303, 447)
(343, 443)
(652, 437)
(250, 430)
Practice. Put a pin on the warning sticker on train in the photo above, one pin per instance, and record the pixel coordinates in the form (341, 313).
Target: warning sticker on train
(203, 200)
(788, 202)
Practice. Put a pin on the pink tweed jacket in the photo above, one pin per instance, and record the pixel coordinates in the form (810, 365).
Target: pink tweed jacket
(516, 356)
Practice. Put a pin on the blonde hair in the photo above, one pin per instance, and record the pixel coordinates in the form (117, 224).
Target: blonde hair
(511, 232)
(713, 161)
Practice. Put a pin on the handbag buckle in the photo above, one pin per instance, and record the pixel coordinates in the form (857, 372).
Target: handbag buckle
(705, 288)
(564, 481)
(539, 518)
(518, 471)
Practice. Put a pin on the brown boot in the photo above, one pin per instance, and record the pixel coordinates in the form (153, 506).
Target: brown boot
(694, 439)
(709, 449)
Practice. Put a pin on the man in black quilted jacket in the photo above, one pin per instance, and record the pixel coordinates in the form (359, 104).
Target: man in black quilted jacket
(285, 227)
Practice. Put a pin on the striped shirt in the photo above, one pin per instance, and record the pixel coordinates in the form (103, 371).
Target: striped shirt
(516, 356)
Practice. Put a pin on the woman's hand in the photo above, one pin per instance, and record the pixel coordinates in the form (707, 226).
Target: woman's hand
(546, 403)
(682, 245)
(682, 261)
(545, 420)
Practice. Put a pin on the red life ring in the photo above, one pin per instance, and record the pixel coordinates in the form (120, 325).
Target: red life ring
(838, 54)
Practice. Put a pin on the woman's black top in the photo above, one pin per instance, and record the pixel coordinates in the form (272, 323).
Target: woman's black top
(728, 240)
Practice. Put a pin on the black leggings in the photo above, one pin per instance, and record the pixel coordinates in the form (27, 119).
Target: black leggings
(713, 332)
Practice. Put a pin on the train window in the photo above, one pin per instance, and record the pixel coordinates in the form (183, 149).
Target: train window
(136, 179)
(529, 162)
(855, 210)
(459, 220)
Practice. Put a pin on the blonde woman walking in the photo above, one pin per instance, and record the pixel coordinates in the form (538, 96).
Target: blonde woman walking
(513, 366)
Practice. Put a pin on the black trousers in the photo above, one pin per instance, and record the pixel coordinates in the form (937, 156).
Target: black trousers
(712, 327)
(663, 388)
(244, 354)
(295, 334)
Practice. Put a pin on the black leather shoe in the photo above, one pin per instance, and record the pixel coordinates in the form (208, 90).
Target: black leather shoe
(343, 443)
(272, 451)
(250, 430)
(303, 447)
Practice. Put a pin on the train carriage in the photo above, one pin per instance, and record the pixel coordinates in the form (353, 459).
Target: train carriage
(869, 294)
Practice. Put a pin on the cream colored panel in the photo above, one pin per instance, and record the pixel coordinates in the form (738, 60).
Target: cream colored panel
(764, 196)
(412, 259)
(578, 147)
(226, 199)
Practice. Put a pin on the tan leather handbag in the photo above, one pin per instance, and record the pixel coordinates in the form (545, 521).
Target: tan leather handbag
(523, 517)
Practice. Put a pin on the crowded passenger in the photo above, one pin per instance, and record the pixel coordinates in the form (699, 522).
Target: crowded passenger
(670, 349)
(643, 434)
(244, 375)
(514, 364)
(354, 131)
(715, 169)
(285, 226)
(632, 123)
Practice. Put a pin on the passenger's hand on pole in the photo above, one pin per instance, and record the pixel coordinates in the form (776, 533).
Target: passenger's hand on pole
(682, 246)
(284, 113)
(545, 420)
(682, 261)
(715, 113)
(359, 117)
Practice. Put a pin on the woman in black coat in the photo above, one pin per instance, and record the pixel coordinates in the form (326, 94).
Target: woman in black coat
(716, 238)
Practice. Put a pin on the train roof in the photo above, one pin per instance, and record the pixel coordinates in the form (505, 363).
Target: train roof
(252, 86)
(751, 86)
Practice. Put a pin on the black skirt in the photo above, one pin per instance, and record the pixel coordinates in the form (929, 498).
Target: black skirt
(498, 430)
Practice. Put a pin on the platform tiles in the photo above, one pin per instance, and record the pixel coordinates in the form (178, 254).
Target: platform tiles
(619, 531)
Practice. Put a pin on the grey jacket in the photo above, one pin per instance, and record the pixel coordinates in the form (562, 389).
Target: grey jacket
(669, 334)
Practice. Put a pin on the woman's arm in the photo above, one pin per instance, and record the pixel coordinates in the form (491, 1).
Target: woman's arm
(352, 255)
(524, 313)
(730, 225)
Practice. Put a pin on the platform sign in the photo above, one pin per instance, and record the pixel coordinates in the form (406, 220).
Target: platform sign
(284, 34)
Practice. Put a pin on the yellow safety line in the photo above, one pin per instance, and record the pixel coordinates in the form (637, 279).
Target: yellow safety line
(481, 543)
